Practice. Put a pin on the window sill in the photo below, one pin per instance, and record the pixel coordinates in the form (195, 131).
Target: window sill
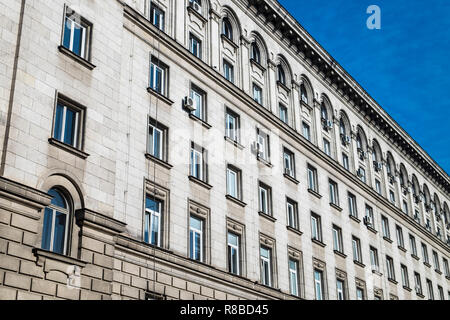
(360, 264)
(200, 182)
(427, 264)
(407, 288)
(160, 162)
(354, 218)
(401, 248)
(294, 230)
(197, 14)
(236, 200)
(303, 103)
(415, 257)
(203, 122)
(387, 239)
(258, 65)
(290, 178)
(335, 206)
(268, 217)
(318, 242)
(160, 96)
(231, 42)
(439, 272)
(447, 277)
(378, 273)
(372, 229)
(42, 255)
(315, 193)
(267, 163)
(76, 57)
(68, 148)
(283, 86)
(393, 281)
(341, 254)
(234, 142)
(420, 295)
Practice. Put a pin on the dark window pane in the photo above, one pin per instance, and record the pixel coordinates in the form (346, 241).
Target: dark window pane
(60, 231)
(47, 229)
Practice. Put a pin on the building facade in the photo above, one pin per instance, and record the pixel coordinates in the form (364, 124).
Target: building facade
(203, 150)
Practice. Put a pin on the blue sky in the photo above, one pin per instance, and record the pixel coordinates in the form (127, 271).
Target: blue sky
(404, 66)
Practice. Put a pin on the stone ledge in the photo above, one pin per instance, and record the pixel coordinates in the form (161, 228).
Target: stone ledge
(24, 194)
(235, 200)
(79, 153)
(97, 219)
(200, 182)
(76, 57)
(160, 162)
(160, 96)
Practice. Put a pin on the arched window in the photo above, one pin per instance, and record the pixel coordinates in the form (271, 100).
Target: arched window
(323, 112)
(56, 223)
(256, 54)
(342, 129)
(227, 29)
(358, 141)
(281, 75)
(303, 93)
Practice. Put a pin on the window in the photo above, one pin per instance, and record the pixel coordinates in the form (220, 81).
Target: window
(392, 196)
(374, 259)
(359, 293)
(425, 254)
(255, 53)
(265, 199)
(312, 179)
(446, 269)
(195, 238)
(228, 71)
(263, 145)
(283, 113)
(334, 193)
(430, 290)
(352, 205)
(233, 253)
(257, 94)
(195, 46)
(326, 147)
(340, 289)
(441, 293)
(337, 239)
(293, 277)
(405, 277)
(318, 284)
(356, 245)
(234, 182)
(198, 168)
(153, 221)
(412, 242)
(303, 93)
(370, 219)
(390, 268)
(400, 241)
(281, 75)
(158, 76)
(77, 34)
(385, 227)
(68, 123)
(316, 227)
(289, 162)
(292, 213)
(436, 261)
(306, 129)
(57, 216)
(405, 207)
(157, 140)
(418, 283)
(362, 174)
(345, 162)
(232, 125)
(378, 186)
(157, 17)
(323, 112)
(199, 98)
(227, 29)
(266, 264)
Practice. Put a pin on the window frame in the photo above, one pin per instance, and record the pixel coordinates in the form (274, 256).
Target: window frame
(316, 227)
(356, 249)
(164, 133)
(228, 70)
(338, 243)
(312, 178)
(233, 115)
(152, 16)
(268, 198)
(292, 219)
(334, 192)
(155, 66)
(197, 150)
(195, 44)
(86, 34)
(238, 181)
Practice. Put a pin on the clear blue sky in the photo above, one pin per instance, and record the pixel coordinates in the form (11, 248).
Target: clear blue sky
(405, 66)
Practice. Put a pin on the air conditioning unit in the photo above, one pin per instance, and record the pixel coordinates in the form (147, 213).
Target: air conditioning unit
(194, 5)
(368, 221)
(188, 103)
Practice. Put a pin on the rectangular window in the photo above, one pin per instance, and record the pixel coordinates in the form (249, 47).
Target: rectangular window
(362, 174)
(306, 129)
(446, 269)
(293, 277)
(425, 253)
(68, 123)
(157, 140)
(77, 34)
(390, 268)
(318, 284)
(392, 196)
(405, 277)
(374, 259)
(195, 238)
(370, 219)
(418, 283)
(199, 98)
(195, 46)
(289, 162)
(232, 125)
(412, 242)
(312, 179)
(337, 239)
(266, 266)
(359, 293)
(345, 162)
(436, 261)
(263, 145)
(334, 192)
(385, 227)
(400, 241)
(257, 94)
(265, 199)
(233, 253)
(198, 168)
(157, 17)
(159, 74)
(228, 71)
(430, 290)
(283, 113)
(405, 207)
(352, 205)
(316, 227)
(153, 221)
(441, 293)
(340, 289)
(292, 213)
(356, 245)
(378, 186)
(234, 182)
(326, 147)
